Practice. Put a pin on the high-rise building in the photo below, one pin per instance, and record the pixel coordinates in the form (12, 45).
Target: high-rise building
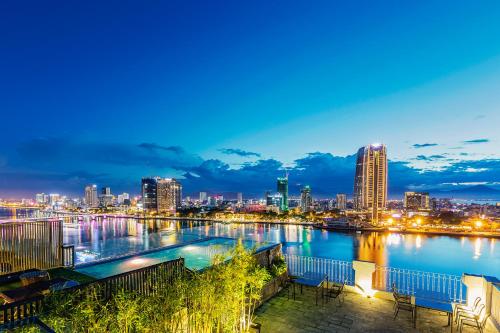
(370, 181)
(168, 195)
(239, 197)
(91, 199)
(416, 201)
(282, 185)
(148, 187)
(341, 201)
(305, 199)
(106, 191)
(203, 197)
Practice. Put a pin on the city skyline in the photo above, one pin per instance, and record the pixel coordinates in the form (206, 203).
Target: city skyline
(89, 101)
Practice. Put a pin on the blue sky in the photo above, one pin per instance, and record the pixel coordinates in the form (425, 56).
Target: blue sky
(225, 95)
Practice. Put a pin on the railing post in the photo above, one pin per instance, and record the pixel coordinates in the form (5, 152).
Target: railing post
(363, 276)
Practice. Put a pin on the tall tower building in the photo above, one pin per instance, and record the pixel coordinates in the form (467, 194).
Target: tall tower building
(341, 201)
(203, 197)
(91, 199)
(282, 184)
(148, 190)
(305, 199)
(239, 198)
(370, 181)
(168, 195)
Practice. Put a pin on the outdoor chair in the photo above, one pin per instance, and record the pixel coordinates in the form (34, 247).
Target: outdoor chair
(462, 308)
(287, 284)
(402, 302)
(403, 298)
(476, 320)
(337, 293)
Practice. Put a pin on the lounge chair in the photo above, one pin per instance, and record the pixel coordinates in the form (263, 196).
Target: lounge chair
(403, 302)
(477, 320)
(33, 277)
(63, 285)
(462, 308)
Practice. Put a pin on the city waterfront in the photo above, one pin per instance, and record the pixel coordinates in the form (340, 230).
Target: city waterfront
(102, 238)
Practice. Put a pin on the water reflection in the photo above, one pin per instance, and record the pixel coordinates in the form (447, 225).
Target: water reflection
(101, 238)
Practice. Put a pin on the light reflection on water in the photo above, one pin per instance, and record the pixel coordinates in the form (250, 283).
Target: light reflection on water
(453, 255)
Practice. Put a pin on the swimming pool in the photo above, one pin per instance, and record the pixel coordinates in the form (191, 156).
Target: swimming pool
(197, 254)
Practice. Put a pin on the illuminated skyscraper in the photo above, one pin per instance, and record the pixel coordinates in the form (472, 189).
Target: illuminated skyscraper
(148, 189)
(370, 181)
(161, 194)
(239, 198)
(203, 197)
(282, 184)
(341, 202)
(168, 195)
(91, 199)
(305, 199)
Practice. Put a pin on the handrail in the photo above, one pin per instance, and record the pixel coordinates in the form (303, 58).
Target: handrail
(337, 270)
(444, 287)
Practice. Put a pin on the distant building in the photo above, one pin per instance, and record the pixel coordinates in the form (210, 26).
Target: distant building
(53, 198)
(282, 188)
(341, 202)
(123, 199)
(370, 181)
(106, 198)
(239, 197)
(416, 201)
(169, 195)
(42, 198)
(91, 199)
(306, 199)
(203, 197)
(274, 201)
(148, 189)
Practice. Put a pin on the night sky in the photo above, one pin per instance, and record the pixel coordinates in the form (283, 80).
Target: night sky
(227, 95)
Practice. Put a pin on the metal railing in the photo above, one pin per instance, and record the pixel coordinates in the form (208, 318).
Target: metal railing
(144, 281)
(31, 244)
(336, 270)
(438, 286)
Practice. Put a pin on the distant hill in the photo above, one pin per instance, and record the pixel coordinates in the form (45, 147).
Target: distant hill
(469, 192)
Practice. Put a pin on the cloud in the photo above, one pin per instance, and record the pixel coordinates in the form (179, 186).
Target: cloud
(55, 165)
(423, 145)
(50, 152)
(476, 141)
(153, 146)
(429, 158)
(239, 152)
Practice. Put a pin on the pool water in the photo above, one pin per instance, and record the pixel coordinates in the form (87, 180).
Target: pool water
(197, 255)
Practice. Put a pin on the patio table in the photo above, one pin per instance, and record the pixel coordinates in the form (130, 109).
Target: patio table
(430, 304)
(31, 290)
(310, 279)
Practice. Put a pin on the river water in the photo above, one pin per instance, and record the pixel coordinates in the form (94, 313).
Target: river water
(103, 238)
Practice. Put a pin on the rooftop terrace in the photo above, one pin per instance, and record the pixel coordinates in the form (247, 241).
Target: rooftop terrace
(357, 314)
